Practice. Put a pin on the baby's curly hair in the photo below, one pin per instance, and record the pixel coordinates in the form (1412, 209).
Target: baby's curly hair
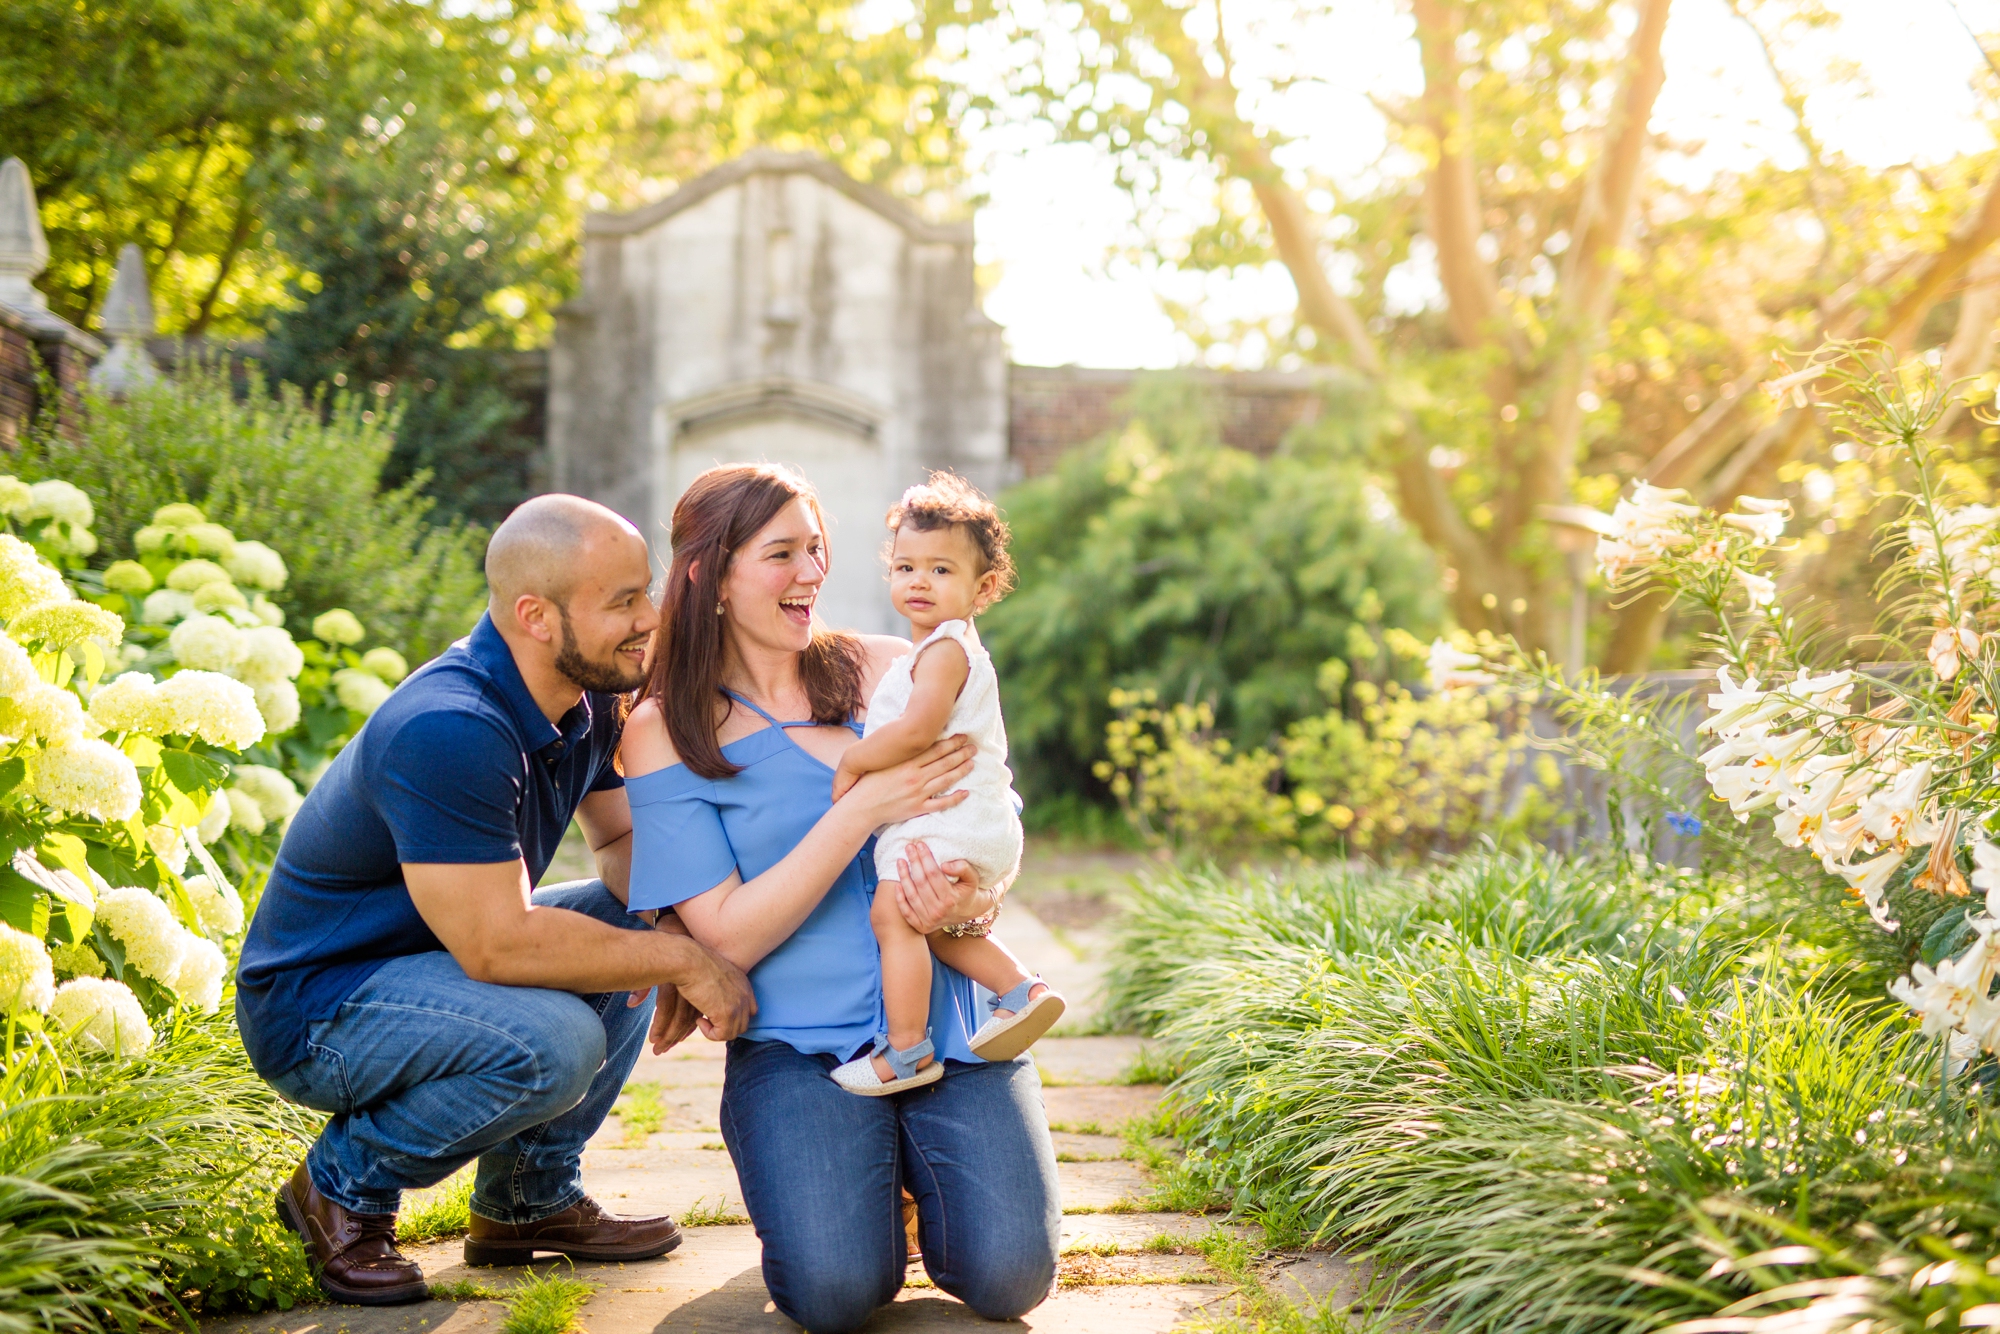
(949, 501)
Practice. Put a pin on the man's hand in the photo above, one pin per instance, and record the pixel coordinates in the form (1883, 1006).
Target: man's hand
(675, 1016)
(720, 993)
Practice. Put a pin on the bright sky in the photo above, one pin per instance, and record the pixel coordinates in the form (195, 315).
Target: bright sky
(1057, 233)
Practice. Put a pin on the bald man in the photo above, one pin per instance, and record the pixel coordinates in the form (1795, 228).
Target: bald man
(402, 972)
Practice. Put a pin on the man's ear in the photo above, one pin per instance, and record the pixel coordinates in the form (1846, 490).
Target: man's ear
(536, 616)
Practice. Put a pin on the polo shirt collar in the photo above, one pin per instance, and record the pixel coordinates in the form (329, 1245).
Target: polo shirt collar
(490, 651)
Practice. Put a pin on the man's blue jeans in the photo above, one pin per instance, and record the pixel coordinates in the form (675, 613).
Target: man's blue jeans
(820, 1170)
(425, 1070)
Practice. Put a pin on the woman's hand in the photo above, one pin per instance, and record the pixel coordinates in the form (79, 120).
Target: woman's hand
(916, 787)
(932, 895)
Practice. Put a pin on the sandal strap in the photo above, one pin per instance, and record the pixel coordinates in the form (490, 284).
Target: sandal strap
(1016, 999)
(903, 1063)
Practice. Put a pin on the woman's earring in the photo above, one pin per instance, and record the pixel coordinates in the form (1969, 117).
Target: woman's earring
(718, 609)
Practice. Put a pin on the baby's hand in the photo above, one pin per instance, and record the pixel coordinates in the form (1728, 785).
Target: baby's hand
(843, 779)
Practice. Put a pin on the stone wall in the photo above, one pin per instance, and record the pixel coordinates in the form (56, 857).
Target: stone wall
(1053, 409)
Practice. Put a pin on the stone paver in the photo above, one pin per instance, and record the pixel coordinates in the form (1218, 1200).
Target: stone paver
(713, 1285)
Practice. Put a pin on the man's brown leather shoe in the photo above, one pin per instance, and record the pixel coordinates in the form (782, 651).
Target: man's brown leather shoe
(582, 1232)
(355, 1254)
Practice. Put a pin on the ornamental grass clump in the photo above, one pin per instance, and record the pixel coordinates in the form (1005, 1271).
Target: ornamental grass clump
(1542, 1094)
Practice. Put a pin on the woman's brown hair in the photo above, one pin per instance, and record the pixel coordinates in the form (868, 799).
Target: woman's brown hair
(720, 511)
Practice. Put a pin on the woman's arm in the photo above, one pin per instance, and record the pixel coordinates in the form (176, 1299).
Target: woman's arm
(745, 920)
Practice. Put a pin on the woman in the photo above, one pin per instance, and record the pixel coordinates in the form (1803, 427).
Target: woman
(729, 760)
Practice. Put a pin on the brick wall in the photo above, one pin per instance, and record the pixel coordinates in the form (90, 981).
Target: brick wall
(67, 353)
(1053, 409)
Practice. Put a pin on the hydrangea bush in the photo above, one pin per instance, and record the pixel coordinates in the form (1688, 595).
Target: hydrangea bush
(1887, 774)
(197, 599)
(113, 908)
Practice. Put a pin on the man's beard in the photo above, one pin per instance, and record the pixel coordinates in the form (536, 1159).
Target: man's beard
(608, 678)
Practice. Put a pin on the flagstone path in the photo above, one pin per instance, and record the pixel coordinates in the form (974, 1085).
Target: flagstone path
(1110, 1283)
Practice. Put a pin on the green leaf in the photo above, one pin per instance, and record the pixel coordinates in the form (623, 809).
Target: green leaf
(23, 905)
(192, 773)
(69, 922)
(69, 851)
(1948, 934)
(13, 773)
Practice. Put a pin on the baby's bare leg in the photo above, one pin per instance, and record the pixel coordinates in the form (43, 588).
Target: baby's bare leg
(986, 961)
(906, 975)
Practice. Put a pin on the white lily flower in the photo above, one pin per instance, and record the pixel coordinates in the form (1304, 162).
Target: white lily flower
(1764, 529)
(1761, 591)
(1738, 708)
(1450, 667)
(1944, 996)
(1889, 816)
(1982, 1030)
(1984, 953)
(1760, 505)
(1870, 879)
(1947, 646)
(1986, 873)
(1823, 691)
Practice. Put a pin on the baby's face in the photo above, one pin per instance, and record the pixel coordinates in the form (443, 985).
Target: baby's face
(938, 576)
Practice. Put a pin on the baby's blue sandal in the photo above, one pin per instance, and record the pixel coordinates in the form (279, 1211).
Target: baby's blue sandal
(858, 1075)
(1004, 1039)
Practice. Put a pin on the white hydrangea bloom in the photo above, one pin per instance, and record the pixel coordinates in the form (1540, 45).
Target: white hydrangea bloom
(244, 812)
(267, 611)
(17, 669)
(27, 974)
(279, 703)
(154, 942)
(364, 692)
(269, 656)
(76, 541)
(206, 643)
(151, 538)
(274, 793)
(25, 580)
(199, 981)
(130, 702)
(257, 565)
(219, 709)
(59, 500)
(15, 495)
(215, 820)
(180, 514)
(220, 597)
(339, 626)
(218, 905)
(386, 663)
(211, 539)
(103, 1015)
(57, 625)
(84, 776)
(195, 574)
(164, 606)
(170, 845)
(128, 577)
(42, 712)
(77, 961)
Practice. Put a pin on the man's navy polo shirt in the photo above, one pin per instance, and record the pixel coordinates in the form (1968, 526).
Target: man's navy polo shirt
(459, 765)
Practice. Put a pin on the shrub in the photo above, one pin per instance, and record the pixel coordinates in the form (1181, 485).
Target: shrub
(1157, 558)
(300, 476)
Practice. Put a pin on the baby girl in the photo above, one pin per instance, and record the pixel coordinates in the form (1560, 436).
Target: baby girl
(947, 563)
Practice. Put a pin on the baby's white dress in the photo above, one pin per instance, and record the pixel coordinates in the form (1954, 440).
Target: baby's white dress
(985, 828)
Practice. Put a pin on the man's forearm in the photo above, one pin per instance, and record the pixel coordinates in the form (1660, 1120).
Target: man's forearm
(567, 951)
(614, 866)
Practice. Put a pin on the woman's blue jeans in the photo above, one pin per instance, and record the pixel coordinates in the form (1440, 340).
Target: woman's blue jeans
(820, 1169)
(425, 1070)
